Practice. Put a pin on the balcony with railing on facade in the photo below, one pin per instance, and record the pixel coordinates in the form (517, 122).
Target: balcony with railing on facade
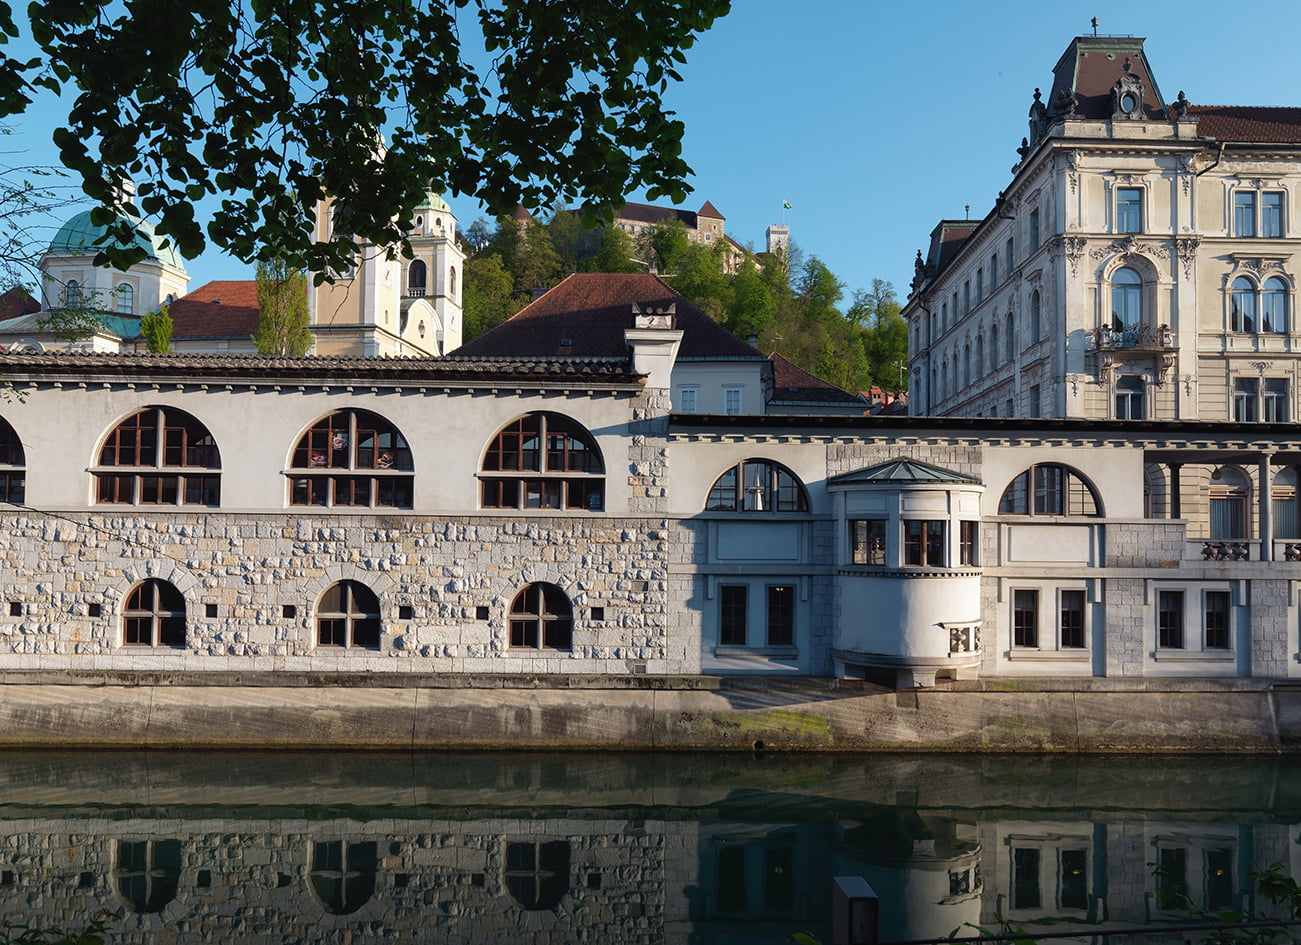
(1139, 339)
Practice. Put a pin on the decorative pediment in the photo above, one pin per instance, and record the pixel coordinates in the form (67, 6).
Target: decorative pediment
(1127, 97)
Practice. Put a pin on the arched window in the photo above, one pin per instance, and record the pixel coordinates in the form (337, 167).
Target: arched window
(72, 294)
(348, 615)
(451, 282)
(757, 485)
(537, 873)
(543, 461)
(944, 379)
(126, 299)
(980, 356)
(13, 478)
(1229, 493)
(416, 279)
(1049, 489)
(541, 618)
(1273, 306)
(966, 366)
(1126, 299)
(154, 615)
(342, 874)
(1011, 337)
(146, 873)
(350, 459)
(1036, 328)
(1242, 305)
(170, 458)
(1283, 504)
(993, 345)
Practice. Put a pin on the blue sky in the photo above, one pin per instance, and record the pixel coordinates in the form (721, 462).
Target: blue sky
(877, 120)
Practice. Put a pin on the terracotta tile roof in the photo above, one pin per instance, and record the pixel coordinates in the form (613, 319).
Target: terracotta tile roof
(217, 310)
(591, 312)
(709, 210)
(17, 302)
(793, 384)
(645, 213)
(257, 369)
(1248, 123)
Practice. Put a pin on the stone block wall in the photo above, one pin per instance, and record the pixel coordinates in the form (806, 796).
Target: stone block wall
(251, 570)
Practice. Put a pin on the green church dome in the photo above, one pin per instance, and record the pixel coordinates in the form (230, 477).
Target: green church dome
(436, 203)
(78, 237)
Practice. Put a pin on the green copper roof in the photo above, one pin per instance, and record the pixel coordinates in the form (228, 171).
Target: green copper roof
(436, 203)
(78, 237)
(903, 470)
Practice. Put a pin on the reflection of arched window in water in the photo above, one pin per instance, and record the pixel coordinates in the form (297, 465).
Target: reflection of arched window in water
(537, 874)
(146, 873)
(342, 875)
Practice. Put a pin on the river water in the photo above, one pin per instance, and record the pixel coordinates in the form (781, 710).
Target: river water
(628, 848)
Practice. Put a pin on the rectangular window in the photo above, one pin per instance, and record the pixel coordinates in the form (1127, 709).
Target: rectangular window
(993, 272)
(1007, 252)
(688, 401)
(1172, 886)
(1034, 406)
(1025, 618)
(1009, 408)
(1245, 390)
(1072, 619)
(1273, 407)
(1074, 879)
(732, 404)
(980, 285)
(1034, 230)
(1170, 619)
(966, 297)
(781, 615)
(1217, 620)
(1129, 210)
(923, 543)
(867, 541)
(968, 543)
(1244, 213)
(1271, 215)
(1025, 879)
(732, 616)
(1129, 397)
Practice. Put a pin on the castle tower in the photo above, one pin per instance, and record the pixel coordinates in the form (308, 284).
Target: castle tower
(779, 238)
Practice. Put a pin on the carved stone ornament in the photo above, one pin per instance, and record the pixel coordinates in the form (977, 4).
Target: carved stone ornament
(1262, 366)
(1130, 246)
(1189, 380)
(1127, 97)
(1167, 362)
(1065, 103)
(1038, 119)
(1180, 106)
(1074, 249)
(1073, 170)
(1186, 249)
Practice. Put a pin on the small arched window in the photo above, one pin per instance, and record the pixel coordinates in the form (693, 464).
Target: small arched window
(543, 461)
(1242, 305)
(1273, 306)
(72, 293)
(154, 615)
(993, 346)
(146, 873)
(541, 618)
(1284, 505)
(126, 299)
(13, 477)
(1011, 337)
(757, 485)
(1036, 326)
(451, 282)
(342, 874)
(537, 873)
(171, 457)
(966, 366)
(352, 458)
(1229, 493)
(1049, 489)
(348, 616)
(980, 356)
(416, 279)
(1126, 299)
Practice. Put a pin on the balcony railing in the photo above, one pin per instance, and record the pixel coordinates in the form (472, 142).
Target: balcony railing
(415, 292)
(1132, 338)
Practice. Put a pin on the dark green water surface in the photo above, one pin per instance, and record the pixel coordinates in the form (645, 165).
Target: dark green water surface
(627, 848)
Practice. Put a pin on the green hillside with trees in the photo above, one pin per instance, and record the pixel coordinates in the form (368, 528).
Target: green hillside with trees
(794, 306)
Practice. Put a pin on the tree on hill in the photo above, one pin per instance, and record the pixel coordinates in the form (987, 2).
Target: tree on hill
(273, 105)
(282, 310)
(662, 244)
(488, 295)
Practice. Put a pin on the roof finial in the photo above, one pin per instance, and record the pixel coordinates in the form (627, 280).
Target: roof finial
(968, 209)
(1128, 65)
(1095, 26)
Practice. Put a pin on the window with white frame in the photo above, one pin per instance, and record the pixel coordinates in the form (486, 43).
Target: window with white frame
(1126, 299)
(1129, 210)
(773, 604)
(1129, 397)
(688, 399)
(1194, 620)
(867, 541)
(733, 403)
(1271, 214)
(1244, 213)
(1049, 873)
(1194, 874)
(1229, 493)
(1273, 401)
(1246, 394)
(1258, 213)
(1283, 503)
(1263, 309)
(924, 543)
(1048, 619)
(1025, 617)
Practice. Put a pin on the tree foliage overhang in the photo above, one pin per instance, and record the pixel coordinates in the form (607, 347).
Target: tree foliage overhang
(272, 104)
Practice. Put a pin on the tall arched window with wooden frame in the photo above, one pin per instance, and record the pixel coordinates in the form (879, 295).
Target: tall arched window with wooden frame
(352, 459)
(159, 456)
(1050, 489)
(757, 485)
(543, 461)
(13, 475)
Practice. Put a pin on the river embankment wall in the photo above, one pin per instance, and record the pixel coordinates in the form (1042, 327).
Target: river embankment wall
(119, 710)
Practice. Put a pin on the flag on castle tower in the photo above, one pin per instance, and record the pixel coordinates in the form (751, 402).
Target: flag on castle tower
(786, 204)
